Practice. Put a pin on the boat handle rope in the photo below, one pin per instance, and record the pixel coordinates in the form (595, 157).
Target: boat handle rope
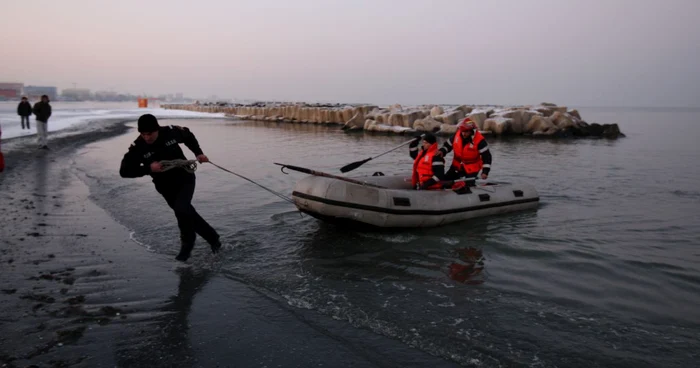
(191, 166)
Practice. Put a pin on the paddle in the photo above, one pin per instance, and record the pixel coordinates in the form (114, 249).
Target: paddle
(356, 164)
(319, 173)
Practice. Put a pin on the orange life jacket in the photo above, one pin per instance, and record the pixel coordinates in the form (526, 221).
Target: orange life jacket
(468, 157)
(423, 167)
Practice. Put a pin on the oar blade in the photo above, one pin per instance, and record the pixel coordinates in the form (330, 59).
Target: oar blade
(353, 166)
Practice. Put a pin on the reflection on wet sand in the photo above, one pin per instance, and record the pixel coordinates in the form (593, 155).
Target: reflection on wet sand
(170, 337)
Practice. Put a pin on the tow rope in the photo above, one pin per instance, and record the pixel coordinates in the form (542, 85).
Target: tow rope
(191, 166)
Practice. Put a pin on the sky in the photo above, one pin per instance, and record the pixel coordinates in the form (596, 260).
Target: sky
(573, 52)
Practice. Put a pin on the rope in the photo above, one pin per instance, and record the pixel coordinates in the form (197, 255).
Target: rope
(188, 165)
(261, 186)
(191, 166)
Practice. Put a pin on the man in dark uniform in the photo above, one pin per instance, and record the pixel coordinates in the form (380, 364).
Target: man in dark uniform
(176, 185)
(24, 110)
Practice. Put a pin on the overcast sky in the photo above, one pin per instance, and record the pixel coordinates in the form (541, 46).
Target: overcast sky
(580, 53)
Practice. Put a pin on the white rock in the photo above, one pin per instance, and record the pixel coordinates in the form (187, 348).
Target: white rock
(498, 124)
(355, 122)
(465, 109)
(562, 120)
(452, 117)
(437, 110)
(478, 118)
(426, 124)
(448, 129)
(540, 125)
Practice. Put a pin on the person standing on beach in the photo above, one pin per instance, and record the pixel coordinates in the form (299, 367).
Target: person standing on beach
(155, 144)
(24, 110)
(42, 110)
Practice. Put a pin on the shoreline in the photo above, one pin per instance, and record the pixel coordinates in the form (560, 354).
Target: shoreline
(64, 292)
(78, 291)
(544, 120)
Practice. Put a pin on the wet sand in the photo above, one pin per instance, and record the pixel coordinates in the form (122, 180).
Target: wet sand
(77, 291)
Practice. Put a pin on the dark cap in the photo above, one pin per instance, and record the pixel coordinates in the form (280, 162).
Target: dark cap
(429, 137)
(148, 123)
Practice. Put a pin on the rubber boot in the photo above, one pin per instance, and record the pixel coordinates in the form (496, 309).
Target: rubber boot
(215, 246)
(185, 251)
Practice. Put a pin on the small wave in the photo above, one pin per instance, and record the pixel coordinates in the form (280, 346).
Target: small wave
(648, 265)
(527, 253)
(686, 194)
(147, 246)
(400, 239)
(437, 295)
(449, 241)
(580, 252)
(298, 302)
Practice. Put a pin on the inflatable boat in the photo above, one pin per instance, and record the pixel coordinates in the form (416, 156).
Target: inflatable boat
(390, 202)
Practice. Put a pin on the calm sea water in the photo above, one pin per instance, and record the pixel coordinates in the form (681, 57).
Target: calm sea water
(605, 273)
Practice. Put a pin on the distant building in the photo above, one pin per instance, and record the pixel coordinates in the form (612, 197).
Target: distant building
(76, 94)
(106, 96)
(35, 92)
(11, 91)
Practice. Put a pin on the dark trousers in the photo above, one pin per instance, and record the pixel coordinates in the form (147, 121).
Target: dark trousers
(178, 194)
(455, 173)
(27, 119)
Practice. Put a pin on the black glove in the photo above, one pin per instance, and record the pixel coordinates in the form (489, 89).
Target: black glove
(428, 183)
(415, 141)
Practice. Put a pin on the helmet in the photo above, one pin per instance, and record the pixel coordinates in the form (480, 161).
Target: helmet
(466, 124)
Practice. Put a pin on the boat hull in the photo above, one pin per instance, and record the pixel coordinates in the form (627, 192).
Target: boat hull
(399, 206)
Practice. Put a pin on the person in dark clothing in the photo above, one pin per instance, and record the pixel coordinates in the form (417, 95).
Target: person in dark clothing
(42, 110)
(471, 153)
(428, 167)
(155, 144)
(24, 110)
